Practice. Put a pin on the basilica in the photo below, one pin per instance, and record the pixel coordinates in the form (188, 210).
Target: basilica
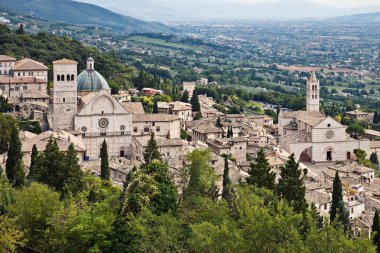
(314, 137)
(83, 105)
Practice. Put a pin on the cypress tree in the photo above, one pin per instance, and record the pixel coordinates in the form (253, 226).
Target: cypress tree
(151, 152)
(291, 186)
(376, 230)
(33, 161)
(20, 30)
(376, 118)
(338, 213)
(185, 97)
(198, 116)
(226, 193)
(155, 107)
(19, 178)
(73, 173)
(14, 155)
(260, 172)
(195, 102)
(104, 164)
(218, 123)
(374, 159)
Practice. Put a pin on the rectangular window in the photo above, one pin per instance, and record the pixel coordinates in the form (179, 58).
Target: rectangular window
(25, 87)
(146, 129)
(122, 133)
(153, 123)
(158, 129)
(16, 88)
(135, 129)
(103, 134)
(64, 100)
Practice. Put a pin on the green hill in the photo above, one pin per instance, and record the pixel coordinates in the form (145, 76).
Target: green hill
(82, 14)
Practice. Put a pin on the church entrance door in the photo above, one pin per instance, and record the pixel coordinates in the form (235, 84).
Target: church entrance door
(329, 155)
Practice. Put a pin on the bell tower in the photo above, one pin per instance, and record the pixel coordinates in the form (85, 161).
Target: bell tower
(64, 94)
(312, 93)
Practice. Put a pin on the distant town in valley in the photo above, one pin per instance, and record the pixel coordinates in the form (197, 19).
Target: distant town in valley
(165, 132)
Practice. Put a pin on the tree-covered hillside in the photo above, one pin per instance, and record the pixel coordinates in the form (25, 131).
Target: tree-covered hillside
(81, 13)
(47, 48)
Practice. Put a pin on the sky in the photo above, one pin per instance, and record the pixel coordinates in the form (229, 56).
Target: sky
(337, 3)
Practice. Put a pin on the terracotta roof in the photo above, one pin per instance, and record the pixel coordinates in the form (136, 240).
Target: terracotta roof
(372, 132)
(310, 118)
(33, 94)
(154, 117)
(205, 129)
(6, 58)
(20, 80)
(317, 197)
(29, 64)
(357, 112)
(134, 107)
(63, 140)
(65, 61)
(86, 99)
(161, 142)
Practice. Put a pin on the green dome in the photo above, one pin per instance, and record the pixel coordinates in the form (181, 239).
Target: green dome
(91, 80)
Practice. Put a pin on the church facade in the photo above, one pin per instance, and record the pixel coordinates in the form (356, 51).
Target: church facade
(314, 137)
(82, 104)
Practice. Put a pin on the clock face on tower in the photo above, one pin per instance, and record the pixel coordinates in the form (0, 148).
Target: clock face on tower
(68, 110)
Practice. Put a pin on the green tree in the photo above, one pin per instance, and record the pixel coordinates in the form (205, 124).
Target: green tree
(185, 97)
(155, 107)
(374, 159)
(218, 123)
(14, 163)
(148, 232)
(6, 125)
(33, 207)
(291, 184)
(20, 30)
(227, 184)
(198, 116)
(195, 102)
(260, 172)
(104, 164)
(160, 196)
(73, 173)
(376, 118)
(11, 236)
(183, 134)
(376, 230)
(338, 213)
(151, 152)
(202, 176)
(33, 161)
(355, 130)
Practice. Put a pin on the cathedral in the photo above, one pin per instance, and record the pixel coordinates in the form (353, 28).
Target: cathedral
(314, 137)
(82, 104)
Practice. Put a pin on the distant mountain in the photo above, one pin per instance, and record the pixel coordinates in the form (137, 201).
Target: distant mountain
(226, 9)
(366, 18)
(82, 14)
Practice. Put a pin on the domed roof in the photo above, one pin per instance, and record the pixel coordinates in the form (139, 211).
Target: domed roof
(91, 80)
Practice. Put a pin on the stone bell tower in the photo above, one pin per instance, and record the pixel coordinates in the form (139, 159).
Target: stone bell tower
(64, 94)
(312, 93)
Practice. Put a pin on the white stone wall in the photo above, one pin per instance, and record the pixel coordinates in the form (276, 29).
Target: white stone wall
(184, 115)
(40, 74)
(14, 91)
(115, 144)
(165, 129)
(6, 67)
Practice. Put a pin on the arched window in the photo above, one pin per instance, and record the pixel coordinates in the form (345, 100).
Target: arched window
(62, 77)
(72, 77)
(90, 65)
(68, 77)
(58, 78)
(5, 72)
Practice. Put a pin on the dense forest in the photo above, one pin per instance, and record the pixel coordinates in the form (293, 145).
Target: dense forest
(60, 208)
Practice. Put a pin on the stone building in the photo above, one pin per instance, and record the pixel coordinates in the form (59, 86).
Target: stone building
(183, 110)
(172, 150)
(203, 132)
(236, 147)
(314, 137)
(164, 125)
(84, 104)
(19, 77)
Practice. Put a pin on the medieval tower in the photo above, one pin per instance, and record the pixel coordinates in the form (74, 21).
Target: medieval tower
(64, 94)
(312, 93)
